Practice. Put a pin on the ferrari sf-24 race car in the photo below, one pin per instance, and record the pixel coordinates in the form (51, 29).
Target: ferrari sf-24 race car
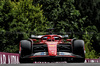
(51, 48)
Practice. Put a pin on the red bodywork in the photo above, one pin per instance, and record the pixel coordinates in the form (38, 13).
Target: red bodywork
(49, 48)
(52, 45)
(51, 42)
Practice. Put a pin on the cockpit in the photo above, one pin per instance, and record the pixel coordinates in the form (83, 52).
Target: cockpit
(51, 38)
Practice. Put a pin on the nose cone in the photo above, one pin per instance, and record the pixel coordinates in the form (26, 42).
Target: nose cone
(53, 53)
(52, 49)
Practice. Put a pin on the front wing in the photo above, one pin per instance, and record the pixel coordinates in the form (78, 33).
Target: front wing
(59, 54)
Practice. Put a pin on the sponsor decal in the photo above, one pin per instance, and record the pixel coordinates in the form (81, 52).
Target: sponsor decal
(9, 58)
(42, 53)
(62, 53)
(92, 60)
(52, 42)
(51, 45)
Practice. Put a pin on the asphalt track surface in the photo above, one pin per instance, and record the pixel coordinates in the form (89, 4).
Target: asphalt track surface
(53, 64)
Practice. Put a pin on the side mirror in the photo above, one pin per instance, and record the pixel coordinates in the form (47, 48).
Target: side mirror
(65, 36)
(33, 36)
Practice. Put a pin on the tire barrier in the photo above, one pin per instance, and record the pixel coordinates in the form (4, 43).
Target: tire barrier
(9, 58)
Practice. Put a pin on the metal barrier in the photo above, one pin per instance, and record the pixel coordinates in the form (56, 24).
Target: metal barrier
(9, 58)
(92, 60)
(13, 58)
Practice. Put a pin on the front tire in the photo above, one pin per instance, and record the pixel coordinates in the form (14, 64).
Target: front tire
(78, 49)
(25, 50)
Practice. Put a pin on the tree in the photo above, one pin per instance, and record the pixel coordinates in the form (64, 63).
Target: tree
(62, 15)
(90, 8)
(71, 16)
(22, 18)
(90, 52)
(5, 19)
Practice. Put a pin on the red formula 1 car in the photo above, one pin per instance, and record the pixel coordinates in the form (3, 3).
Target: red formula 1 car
(51, 48)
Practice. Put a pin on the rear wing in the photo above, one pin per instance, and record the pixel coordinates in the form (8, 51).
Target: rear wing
(36, 37)
(39, 36)
(64, 36)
